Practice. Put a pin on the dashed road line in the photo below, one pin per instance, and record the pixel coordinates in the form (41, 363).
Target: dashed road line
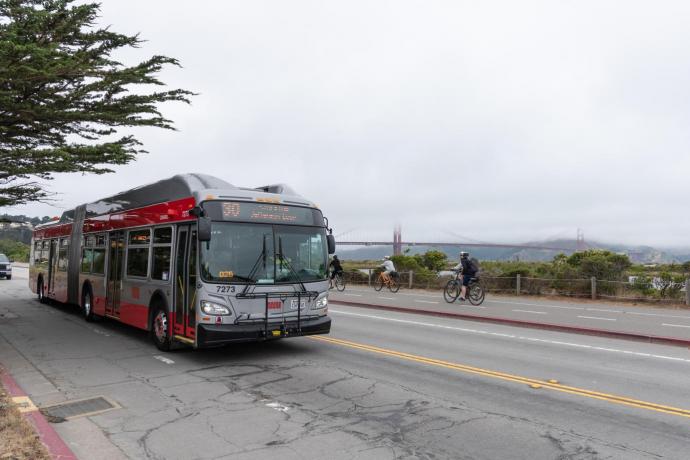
(598, 318)
(531, 311)
(425, 301)
(675, 325)
(562, 307)
(605, 310)
(656, 314)
(164, 359)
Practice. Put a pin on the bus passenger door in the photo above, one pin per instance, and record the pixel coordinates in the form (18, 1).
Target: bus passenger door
(115, 269)
(184, 322)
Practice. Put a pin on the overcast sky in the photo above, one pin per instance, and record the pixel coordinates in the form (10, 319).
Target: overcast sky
(498, 121)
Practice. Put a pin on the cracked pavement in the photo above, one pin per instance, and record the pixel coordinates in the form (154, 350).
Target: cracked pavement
(305, 399)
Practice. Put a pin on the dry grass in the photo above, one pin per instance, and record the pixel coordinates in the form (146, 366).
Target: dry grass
(19, 440)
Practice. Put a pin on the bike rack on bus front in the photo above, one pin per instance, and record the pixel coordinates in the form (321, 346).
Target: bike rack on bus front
(307, 295)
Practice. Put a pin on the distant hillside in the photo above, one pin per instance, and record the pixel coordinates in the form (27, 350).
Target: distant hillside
(638, 254)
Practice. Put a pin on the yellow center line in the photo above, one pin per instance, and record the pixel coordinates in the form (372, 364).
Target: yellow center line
(510, 377)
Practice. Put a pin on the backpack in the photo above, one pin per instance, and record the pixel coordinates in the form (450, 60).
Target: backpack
(474, 265)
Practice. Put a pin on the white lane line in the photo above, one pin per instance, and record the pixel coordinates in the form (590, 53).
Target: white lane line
(531, 311)
(471, 306)
(563, 307)
(98, 331)
(277, 406)
(604, 309)
(510, 336)
(422, 295)
(369, 291)
(387, 298)
(656, 314)
(597, 317)
(675, 325)
(164, 359)
(424, 301)
(353, 295)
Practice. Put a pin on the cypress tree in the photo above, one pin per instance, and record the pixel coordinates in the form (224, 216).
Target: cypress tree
(63, 96)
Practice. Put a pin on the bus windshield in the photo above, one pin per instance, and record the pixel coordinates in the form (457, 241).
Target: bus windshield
(250, 253)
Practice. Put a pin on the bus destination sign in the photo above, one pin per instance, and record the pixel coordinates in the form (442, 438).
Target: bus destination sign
(264, 213)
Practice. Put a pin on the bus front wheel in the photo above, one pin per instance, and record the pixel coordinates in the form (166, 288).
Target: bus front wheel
(160, 329)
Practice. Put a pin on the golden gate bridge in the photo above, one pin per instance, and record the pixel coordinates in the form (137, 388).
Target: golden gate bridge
(398, 243)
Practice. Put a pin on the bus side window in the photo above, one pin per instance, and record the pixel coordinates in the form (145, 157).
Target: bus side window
(62, 255)
(138, 253)
(38, 252)
(98, 256)
(162, 250)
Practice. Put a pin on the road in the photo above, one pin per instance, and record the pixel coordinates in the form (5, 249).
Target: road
(663, 322)
(382, 385)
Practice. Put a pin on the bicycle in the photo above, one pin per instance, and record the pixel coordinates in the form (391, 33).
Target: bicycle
(391, 281)
(475, 290)
(338, 281)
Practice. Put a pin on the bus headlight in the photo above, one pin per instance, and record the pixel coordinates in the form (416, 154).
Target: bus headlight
(322, 302)
(211, 308)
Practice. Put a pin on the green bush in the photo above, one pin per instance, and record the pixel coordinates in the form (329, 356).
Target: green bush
(15, 250)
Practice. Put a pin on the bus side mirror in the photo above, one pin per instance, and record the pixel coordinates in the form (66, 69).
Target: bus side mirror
(330, 239)
(204, 229)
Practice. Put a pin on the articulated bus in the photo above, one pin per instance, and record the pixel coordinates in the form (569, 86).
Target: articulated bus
(193, 260)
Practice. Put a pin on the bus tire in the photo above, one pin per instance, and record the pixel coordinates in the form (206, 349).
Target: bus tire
(87, 304)
(160, 329)
(40, 292)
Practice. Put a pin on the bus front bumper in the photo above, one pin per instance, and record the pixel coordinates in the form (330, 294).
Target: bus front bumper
(211, 335)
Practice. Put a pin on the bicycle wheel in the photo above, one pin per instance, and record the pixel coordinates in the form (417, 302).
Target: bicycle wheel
(378, 284)
(339, 283)
(394, 286)
(476, 295)
(451, 292)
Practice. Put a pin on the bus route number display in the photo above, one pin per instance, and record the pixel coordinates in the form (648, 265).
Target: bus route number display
(264, 213)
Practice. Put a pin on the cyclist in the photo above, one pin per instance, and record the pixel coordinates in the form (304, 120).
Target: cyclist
(337, 268)
(468, 270)
(388, 268)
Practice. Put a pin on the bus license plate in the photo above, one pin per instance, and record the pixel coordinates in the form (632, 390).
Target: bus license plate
(293, 304)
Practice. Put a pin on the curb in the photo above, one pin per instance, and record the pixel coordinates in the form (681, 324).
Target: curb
(54, 444)
(527, 324)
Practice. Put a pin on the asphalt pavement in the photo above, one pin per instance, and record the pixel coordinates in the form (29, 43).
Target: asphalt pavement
(653, 321)
(381, 385)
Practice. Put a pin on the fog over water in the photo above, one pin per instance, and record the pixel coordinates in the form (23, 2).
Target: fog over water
(498, 121)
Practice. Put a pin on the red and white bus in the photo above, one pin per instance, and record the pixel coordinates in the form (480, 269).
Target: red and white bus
(192, 259)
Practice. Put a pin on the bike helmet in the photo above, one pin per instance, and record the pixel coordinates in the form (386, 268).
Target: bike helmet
(386, 257)
(464, 255)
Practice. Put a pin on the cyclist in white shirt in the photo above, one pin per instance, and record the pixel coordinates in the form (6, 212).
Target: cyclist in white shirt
(388, 267)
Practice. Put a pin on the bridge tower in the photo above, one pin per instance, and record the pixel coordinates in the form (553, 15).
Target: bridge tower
(581, 245)
(397, 240)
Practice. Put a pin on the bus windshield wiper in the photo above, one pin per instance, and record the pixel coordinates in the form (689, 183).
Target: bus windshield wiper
(243, 278)
(255, 268)
(287, 263)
